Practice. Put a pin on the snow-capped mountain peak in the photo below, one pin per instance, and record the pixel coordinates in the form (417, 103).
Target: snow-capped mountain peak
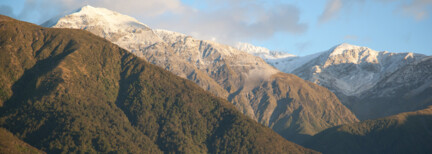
(347, 53)
(346, 69)
(261, 51)
(252, 49)
(101, 16)
(111, 16)
(340, 49)
(119, 28)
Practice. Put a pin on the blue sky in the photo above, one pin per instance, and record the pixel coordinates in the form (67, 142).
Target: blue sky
(295, 26)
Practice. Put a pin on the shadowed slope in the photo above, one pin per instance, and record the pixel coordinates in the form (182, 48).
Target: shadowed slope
(409, 132)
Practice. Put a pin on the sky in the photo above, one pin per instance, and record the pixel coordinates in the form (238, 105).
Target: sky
(299, 27)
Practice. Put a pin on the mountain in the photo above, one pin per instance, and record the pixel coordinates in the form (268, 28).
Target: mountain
(134, 36)
(407, 89)
(11, 144)
(409, 132)
(70, 91)
(262, 52)
(346, 69)
(351, 70)
(357, 76)
(294, 108)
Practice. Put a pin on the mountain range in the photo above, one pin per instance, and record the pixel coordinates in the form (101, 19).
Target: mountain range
(102, 82)
(372, 84)
(70, 91)
(291, 106)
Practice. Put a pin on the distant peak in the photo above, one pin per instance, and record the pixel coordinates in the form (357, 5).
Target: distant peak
(261, 51)
(339, 49)
(90, 9)
(346, 46)
(252, 49)
(89, 15)
(85, 8)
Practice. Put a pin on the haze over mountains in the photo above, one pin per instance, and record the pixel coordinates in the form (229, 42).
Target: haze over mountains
(70, 91)
(289, 105)
(372, 84)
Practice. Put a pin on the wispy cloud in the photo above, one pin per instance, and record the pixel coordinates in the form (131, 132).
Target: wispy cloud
(419, 9)
(233, 21)
(351, 37)
(331, 10)
(233, 24)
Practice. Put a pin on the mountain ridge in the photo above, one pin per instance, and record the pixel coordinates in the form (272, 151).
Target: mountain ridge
(356, 75)
(245, 80)
(67, 90)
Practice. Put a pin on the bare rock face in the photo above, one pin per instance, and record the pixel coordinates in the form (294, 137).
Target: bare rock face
(294, 108)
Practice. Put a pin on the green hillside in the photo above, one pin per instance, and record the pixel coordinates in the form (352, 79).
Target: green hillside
(66, 90)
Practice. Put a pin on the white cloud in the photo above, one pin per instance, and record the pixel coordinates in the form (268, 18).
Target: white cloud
(240, 23)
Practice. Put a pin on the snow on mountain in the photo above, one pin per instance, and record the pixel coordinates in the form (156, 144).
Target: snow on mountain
(262, 52)
(346, 69)
(109, 24)
(256, 88)
(285, 62)
(170, 36)
(289, 64)
(407, 89)
(371, 83)
(101, 15)
(352, 70)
